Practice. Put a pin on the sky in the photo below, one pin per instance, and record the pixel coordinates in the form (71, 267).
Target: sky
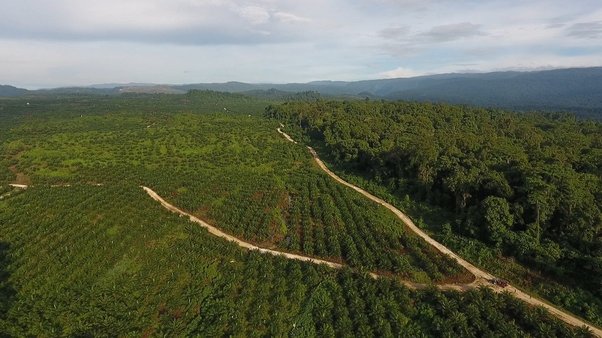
(53, 43)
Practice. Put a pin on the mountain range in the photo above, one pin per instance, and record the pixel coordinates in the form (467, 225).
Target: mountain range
(576, 90)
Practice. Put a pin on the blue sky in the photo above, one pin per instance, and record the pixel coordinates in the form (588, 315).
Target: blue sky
(81, 42)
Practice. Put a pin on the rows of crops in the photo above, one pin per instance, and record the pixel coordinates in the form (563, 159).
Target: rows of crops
(116, 147)
(306, 212)
(231, 170)
(100, 261)
(328, 219)
(90, 260)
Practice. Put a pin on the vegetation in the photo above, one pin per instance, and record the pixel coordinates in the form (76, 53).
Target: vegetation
(569, 90)
(78, 258)
(573, 90)
(232, 170)
(526, 186)
(77, 261)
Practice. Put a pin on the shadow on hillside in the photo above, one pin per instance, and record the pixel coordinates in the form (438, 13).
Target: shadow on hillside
(7, 291)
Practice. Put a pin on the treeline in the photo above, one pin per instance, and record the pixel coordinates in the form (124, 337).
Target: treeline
(529, 185)
(279, 95)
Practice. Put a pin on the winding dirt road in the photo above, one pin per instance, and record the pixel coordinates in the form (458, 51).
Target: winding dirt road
(216, 232)
(286, 136)
(249, 246)
(481, 276)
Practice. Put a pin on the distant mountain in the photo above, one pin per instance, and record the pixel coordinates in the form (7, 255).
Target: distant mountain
(116, 85)
(279, 95)
(574, 90)
(76, 91)
(232, 87)
(6, 91)
(148, 89)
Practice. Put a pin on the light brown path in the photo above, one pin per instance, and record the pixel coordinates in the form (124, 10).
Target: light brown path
(482, 276)
(216, 232)
(286, 136)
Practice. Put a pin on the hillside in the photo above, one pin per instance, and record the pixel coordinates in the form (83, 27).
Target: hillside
(499, 187)
(129, 268)
(575, 90)
(7, 91)
(86, 252)
(570, 90)
(564, 90)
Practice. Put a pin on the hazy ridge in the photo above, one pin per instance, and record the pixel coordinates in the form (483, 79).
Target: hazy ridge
(573, 90)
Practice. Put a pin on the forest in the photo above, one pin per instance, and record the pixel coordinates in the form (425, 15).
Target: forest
(84, 251)
(526, 186)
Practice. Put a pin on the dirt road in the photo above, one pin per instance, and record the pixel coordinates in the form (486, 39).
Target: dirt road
(216, 232)
(286, 136)
(481, 276)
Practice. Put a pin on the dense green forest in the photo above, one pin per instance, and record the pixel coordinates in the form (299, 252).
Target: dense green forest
(528, 186)
(84, 251)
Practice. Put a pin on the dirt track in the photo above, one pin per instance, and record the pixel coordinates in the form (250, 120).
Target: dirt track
(216, 232)
(286, 136)
(482, 276)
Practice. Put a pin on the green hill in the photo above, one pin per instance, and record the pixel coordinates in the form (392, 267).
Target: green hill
(7, 91)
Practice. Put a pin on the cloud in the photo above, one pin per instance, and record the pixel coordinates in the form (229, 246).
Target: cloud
(436, 34)
(586, 30)
(67, 42)
(555, 25)
(399, 72)
(452, 32)
(290, 18)
(254, 14)
(191, 22)
(395, 33)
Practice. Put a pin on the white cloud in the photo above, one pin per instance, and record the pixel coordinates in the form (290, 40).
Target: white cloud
(254, 14)
(63, 42)
(454, 31)
(519, 62)
(395, 32)
(399, 72)
(587, 30)
(290, 18)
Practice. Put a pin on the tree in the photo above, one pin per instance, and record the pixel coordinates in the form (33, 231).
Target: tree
(497, 217)
(540, 196)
